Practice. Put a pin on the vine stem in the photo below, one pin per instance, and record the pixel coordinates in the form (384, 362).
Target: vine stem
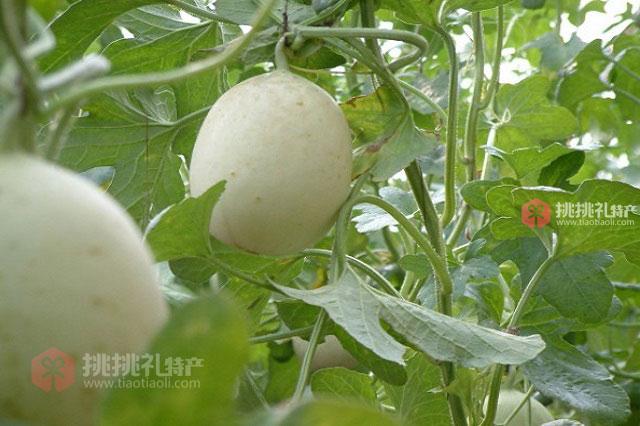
(426, 206)
(240, 274)
(494, 83)
(21, 115)
(337, 268)
(280, 55)
(305, 369)
(257, 391)
(471, 126)
(522, 403)
(58, 134)
(409, 37)
(339, 254)
(368, 18)
(452, 128)
(12, 34)
(281, 335)
(75, 95)
(496, 380)
(492, 89)
(364, 267)
(438, 263)
(423, 96)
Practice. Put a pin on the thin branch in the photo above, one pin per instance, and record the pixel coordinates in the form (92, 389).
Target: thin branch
(280, 335)
(308, 357)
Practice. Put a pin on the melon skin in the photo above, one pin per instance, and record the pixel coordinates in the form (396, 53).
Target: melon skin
(283, 146)
(329, 353)
(510, 399)
(74, 275)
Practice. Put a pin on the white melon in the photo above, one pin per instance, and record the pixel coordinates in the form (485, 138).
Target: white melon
(284, 147)
(74, 275)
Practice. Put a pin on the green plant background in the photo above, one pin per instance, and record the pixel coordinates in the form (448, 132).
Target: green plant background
(461, 111)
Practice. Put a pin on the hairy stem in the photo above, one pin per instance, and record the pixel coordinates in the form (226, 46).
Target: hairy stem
(452, 128)
(470, 135)
(494, 83)
(426, 206)
(368, 18)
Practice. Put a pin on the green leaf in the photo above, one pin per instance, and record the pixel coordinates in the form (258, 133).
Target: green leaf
(421, 12)
(386, 138)
(282, 379)
(335, 413)
(425, 12)
(624, 81)
(564, 373)
(147, 175)
(578, 287)
(80, 25)
(141, 133)
(251, 299)
(343, 384)
(407, 144)
(47, 9)
(555, 52)
(320, 58)
(584, 80)
(574, 238)
(489, 298)
(527, 161)
(149, 23)
(242, 11)
(476, 5)
(526, 117)
(473, 270)
(193, 271)
(559, 172)
(183, 230)
(416, 263)
(359, 309)
(387, 371)
(475, 192)
(420, 401)
(374, 218)
(527, 253)
(208, 329)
